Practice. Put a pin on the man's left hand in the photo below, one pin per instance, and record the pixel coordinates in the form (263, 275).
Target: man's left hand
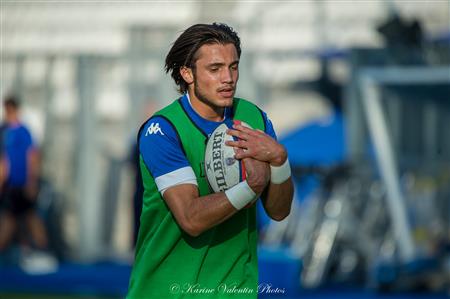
(257, 145)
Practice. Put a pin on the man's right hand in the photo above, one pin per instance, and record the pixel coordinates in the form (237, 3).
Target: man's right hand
(258, 174)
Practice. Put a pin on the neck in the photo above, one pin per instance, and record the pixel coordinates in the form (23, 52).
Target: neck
(205, 110)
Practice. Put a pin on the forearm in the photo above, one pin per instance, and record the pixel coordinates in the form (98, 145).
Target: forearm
(277, 199)
(209, 211)
(196, 214)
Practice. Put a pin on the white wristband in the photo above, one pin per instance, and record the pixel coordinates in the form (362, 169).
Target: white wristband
(280, 174)
(240, 195)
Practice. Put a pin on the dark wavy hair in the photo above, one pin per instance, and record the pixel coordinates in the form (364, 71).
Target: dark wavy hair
(184, 49)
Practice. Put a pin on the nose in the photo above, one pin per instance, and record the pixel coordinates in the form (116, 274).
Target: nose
(227, 76)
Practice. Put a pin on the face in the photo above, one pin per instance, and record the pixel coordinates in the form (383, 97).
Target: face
(10, 113)
(215, 75)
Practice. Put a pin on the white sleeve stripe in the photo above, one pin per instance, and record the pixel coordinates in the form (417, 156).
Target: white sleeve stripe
(192, 182)
(176, 177)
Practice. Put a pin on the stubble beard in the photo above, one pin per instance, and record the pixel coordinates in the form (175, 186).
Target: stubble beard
(203, 98)
(200, 96)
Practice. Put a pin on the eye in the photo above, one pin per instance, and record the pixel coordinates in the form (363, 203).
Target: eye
(234, 67)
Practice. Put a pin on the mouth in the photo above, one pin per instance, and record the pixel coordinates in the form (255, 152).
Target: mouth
(227, 92)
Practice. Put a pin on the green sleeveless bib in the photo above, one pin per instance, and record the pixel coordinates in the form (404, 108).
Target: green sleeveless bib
(169, 263)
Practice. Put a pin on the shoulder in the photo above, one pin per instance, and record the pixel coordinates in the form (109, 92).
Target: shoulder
(156, 128)
(162, 118)
(162, 152)
(20, 130)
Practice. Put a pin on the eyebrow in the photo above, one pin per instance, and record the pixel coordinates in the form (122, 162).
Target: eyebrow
(222, 64)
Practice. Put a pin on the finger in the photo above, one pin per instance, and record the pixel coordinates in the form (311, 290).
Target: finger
(237, 134)
(261, 131)
(243, 129)
(243, 154)
(238, 150)
(237, 143)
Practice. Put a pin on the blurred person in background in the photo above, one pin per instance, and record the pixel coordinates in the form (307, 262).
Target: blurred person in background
(193, 240)
(19, 185)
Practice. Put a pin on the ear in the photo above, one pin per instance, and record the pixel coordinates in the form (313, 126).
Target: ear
(187, 74)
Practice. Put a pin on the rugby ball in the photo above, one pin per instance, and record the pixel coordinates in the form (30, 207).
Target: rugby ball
(222, 170)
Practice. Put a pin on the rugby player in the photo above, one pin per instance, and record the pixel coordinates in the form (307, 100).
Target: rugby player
(193, 242)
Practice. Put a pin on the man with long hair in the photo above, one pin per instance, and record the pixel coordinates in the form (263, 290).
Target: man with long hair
(192, 241)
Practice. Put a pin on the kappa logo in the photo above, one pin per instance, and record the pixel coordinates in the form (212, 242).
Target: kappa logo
(154, 129)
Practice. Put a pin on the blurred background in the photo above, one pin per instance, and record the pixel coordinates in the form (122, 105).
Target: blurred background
(358, 91)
